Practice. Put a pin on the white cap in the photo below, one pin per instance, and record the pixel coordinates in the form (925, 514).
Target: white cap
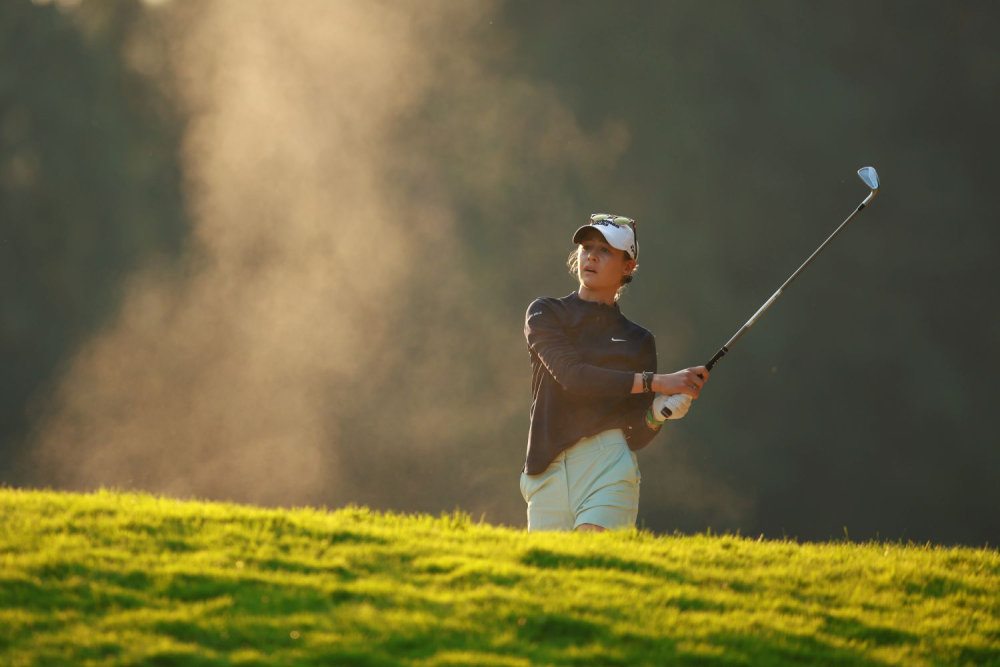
(616, 229)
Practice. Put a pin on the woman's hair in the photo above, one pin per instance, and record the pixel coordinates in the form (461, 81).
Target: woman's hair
(573, 262)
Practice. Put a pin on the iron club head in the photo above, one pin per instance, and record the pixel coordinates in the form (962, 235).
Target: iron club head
(870, 178)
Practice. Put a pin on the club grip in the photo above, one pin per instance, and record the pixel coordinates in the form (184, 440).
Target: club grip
(718, 355)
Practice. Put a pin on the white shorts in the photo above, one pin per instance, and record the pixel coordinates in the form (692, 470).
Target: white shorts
(594, 481)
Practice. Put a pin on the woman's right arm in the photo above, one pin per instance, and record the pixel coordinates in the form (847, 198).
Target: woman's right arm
(688, 381)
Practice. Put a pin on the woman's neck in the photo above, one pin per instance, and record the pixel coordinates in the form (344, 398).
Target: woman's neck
(607, 297)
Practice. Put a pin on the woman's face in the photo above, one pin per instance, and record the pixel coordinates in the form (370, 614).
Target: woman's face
(601, 267)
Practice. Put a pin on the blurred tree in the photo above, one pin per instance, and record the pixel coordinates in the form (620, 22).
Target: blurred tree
(89, 186)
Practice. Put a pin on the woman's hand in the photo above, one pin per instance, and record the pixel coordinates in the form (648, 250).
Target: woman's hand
(688, 381)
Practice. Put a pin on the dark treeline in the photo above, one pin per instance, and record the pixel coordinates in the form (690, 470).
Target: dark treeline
(89, 190)
(861, 401)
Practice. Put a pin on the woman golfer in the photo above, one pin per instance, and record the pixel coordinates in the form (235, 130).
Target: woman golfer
(596, 396)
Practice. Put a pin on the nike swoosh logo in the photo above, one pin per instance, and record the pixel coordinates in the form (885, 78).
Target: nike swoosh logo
(617, 340)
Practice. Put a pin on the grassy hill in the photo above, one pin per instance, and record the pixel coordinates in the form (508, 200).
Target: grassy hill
(123, 578)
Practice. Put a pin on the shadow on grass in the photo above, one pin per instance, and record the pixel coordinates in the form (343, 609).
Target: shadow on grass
(685, 603)
(476, 578)
(593, 645)
(777, 648)
(288, 565)
(257, 595)
(559, 630)
(184, 659)
(134, 579)
(546, 637)
(543, 558)
(230, 634)
(850, 628)
(82, 595)
(939, 587)
(352, 659)
(978, 655)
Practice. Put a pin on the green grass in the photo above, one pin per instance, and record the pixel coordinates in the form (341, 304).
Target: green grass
(122, 578)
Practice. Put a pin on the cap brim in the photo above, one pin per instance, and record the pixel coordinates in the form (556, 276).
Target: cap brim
(578, 236)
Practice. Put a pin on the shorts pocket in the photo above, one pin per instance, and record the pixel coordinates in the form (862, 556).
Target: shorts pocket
(532, 484)
(635, 464)
(624, 466)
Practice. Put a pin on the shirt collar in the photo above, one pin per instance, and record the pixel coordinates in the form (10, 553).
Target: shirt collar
(597, 306)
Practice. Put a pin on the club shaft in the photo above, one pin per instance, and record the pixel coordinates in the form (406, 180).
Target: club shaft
(767, 304)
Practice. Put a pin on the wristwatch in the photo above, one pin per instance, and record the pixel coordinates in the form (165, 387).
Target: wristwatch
(647, 382)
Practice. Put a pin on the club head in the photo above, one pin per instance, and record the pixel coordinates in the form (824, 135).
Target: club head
(870, 178)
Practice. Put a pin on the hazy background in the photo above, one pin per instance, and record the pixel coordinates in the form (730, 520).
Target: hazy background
(280, 253)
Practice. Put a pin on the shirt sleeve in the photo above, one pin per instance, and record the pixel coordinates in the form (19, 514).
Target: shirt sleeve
(637, 431)
(549, 341)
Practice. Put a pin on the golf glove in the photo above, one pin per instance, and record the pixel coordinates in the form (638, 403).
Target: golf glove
(677, 404)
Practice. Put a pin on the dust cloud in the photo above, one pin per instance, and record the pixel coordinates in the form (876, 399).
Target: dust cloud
(327, 337)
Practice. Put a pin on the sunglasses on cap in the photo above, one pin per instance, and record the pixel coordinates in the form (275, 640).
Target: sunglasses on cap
(617, 221)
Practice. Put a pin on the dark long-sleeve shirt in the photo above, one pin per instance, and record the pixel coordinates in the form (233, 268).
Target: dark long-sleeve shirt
(584, 357)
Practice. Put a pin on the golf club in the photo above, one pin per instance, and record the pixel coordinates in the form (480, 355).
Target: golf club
(870, 177)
